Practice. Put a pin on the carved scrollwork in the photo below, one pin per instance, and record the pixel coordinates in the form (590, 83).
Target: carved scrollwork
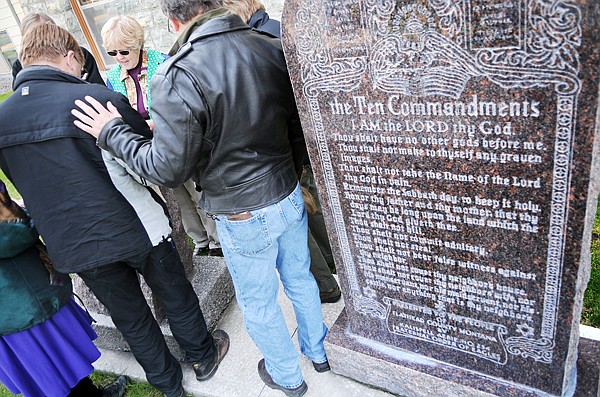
(369, 306)
(310, 51)
(342, 76)
(380, 12)
(554, 34)
(538, 349)
(451, 17)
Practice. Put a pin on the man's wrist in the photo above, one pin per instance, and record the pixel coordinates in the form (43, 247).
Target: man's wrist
(101, 141)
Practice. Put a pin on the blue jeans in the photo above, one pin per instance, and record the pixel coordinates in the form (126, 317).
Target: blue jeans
(274, 239)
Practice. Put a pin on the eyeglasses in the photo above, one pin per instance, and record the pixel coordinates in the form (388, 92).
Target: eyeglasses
(114, 53)
(84, 72)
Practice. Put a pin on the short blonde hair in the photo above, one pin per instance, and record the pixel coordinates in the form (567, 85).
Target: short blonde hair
(48, 42)
(244, 8)
(33, 19)
(122, 30)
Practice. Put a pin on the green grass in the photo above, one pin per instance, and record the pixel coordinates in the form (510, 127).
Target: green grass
(4, 96)
(134, 389)
(591, 300)
(101, 379)
(11, 189)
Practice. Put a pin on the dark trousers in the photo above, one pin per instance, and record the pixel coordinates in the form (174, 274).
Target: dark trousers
(321, 257)
(117, 286)
(85, 388)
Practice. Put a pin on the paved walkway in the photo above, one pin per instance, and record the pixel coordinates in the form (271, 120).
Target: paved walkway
(237, 374)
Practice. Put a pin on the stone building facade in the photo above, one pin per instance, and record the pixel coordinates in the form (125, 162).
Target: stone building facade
(79, 16)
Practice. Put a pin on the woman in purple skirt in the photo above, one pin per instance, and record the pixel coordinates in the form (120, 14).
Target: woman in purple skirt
(46, 341)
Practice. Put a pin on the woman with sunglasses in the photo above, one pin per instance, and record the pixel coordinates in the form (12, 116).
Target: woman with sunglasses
(123, 39)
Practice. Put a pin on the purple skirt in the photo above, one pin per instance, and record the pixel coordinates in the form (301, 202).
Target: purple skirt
(50, 358)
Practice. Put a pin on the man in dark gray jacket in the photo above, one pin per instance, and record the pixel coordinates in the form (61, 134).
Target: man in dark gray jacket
(87, 225)
(225, 115)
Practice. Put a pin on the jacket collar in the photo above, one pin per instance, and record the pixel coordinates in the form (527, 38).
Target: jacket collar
(258, 19)
(42, 72)
(210, 23)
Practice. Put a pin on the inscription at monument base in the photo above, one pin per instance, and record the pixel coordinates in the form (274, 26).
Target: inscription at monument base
(453, 145)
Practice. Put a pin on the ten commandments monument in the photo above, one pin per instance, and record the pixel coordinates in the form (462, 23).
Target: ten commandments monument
(453, 146)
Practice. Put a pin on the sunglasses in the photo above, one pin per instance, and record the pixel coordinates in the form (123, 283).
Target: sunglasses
(114, 53)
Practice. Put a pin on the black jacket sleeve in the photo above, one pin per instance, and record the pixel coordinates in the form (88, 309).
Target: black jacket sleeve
(91, 68)
(16, 68)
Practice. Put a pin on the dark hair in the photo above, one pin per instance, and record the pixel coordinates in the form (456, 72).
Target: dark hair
(185, 10)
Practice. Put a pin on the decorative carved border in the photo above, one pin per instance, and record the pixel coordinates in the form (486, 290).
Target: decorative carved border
(549, 57)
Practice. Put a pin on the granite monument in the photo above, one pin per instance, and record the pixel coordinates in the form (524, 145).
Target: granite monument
(455, 147)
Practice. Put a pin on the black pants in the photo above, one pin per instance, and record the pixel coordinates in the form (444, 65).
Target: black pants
(117, 286)
(85, 388)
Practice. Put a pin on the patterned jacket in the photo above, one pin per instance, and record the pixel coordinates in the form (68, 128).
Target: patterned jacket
(119, 80)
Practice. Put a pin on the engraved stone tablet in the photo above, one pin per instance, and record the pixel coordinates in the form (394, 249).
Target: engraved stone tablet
(453, 146)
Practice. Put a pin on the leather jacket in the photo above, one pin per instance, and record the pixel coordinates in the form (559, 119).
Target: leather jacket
(225, 115)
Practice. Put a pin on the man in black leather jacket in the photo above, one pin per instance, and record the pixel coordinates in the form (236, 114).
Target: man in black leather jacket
(225, 114)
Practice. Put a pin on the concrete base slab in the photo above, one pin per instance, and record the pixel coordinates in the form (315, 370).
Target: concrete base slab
(237, 375)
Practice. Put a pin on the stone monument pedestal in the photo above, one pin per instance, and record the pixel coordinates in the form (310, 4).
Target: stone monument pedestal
(414, 375)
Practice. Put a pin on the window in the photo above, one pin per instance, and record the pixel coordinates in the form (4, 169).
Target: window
(92, 15)
(8, 49)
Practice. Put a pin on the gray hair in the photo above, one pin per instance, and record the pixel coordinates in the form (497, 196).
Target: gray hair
(186, 10)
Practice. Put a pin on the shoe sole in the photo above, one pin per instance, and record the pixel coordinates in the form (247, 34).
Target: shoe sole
(320, 368)
(210, 375)
(332, 299)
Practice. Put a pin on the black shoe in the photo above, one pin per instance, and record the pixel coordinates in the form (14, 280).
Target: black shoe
(207, 369)
(215, 252)
(181, 393)
(201, 251)
(264, 375)
(117, 389)
(323, 367)
(331, 296)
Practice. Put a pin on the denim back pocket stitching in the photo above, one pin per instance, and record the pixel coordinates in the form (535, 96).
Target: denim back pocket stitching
(297, 202)
(249, 236)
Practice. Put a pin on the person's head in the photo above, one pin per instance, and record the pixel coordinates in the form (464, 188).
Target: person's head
(180, 12)
(49, 44)
(123, 39)
(244, 8)
(34, 19)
